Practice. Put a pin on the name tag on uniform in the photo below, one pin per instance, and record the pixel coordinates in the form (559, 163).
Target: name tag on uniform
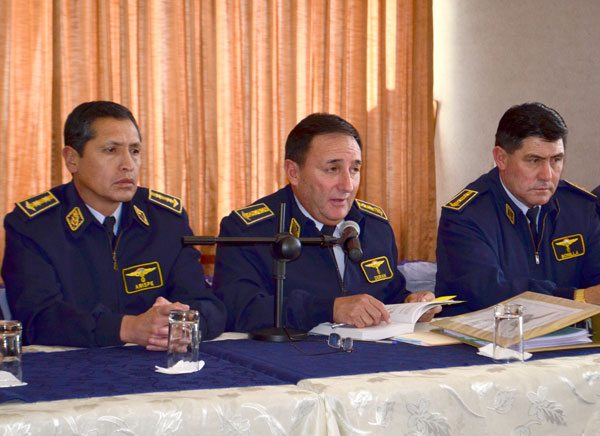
(568, 247)
(142, 277)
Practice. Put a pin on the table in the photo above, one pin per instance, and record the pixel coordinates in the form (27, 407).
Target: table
(559, 396)
(378, 389)
(258, 410)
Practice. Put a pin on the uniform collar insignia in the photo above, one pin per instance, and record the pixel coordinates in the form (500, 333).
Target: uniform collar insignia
(510, 213)
(38, 204)
(141, 215)
(167, 201)
(75, 219)
(294, 228)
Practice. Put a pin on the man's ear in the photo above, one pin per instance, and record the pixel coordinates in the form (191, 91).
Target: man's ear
(500, 157)
(71, 158)
(292, 171)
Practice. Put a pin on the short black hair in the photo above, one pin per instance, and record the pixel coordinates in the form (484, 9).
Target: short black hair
(530, 119)
(78, 126)
(299, 139)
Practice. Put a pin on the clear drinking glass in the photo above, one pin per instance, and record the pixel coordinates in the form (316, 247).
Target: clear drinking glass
(184, 337)
(508, 332)
(10, 348)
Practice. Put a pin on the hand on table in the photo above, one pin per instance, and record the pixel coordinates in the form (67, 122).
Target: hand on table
(151, 328)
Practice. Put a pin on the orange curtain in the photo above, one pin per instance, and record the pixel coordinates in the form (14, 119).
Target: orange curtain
(216, 86)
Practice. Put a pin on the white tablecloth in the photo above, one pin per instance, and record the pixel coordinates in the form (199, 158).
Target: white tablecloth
(272, 410)
(546, 397)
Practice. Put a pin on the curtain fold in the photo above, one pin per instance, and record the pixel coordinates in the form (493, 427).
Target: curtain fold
(216, 86)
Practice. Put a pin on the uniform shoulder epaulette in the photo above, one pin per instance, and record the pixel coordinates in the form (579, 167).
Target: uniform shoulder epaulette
(254, 213)
(460, 200)
(580, 189)
(38, 204)
(165, 200)
(371, 209)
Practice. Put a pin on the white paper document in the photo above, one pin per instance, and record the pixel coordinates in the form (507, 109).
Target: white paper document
(559, 338)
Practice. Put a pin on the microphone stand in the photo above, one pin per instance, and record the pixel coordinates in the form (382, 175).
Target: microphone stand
(285, 247)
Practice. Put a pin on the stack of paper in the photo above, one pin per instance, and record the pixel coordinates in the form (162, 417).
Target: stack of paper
(545, 322)
(568, 336)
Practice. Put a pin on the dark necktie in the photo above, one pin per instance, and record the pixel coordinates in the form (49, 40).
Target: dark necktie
(109, 226)
(328, 230)
(532, 215)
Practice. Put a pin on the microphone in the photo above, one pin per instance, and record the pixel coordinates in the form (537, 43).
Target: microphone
(350, 242)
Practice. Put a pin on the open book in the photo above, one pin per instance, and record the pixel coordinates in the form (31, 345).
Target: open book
(544, 316)
(403, 318)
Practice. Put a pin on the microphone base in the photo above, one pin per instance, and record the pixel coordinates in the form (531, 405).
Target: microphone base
(276, 334)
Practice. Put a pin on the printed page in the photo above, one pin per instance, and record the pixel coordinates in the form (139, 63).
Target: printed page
(411, 312)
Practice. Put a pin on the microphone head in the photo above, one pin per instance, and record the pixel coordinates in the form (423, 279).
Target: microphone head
(350, 224)
(350, 243)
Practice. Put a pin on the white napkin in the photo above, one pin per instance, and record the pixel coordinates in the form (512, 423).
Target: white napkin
(505, 353)
(181, 367)
(8, 380)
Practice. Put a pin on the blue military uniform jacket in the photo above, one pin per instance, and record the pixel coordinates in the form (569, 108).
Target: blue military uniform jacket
(66, 287)
(596, 192)
(244, 274)
(486, 252)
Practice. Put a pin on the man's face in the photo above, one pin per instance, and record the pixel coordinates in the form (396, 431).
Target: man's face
(532, 172)
(107, 173)
(326, 184)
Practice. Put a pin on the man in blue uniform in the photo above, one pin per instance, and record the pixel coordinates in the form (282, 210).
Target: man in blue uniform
(99, 261)
(519, 227)
(323, 162)
(596, 192)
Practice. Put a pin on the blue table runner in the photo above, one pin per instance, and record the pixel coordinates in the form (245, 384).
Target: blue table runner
(99, 372)
(291, 363)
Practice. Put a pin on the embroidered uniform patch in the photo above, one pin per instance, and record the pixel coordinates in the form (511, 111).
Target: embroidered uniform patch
(461, 199)
(254, 213)
(294, 228)
(74, 219)
(141, 215)
(510, 214)
(38, 204)
(371, 208)
(568, 247)
(165, 200)
(142, 277)
(377, 269)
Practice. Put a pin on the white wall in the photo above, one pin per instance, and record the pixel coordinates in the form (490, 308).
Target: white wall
(492, 54)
